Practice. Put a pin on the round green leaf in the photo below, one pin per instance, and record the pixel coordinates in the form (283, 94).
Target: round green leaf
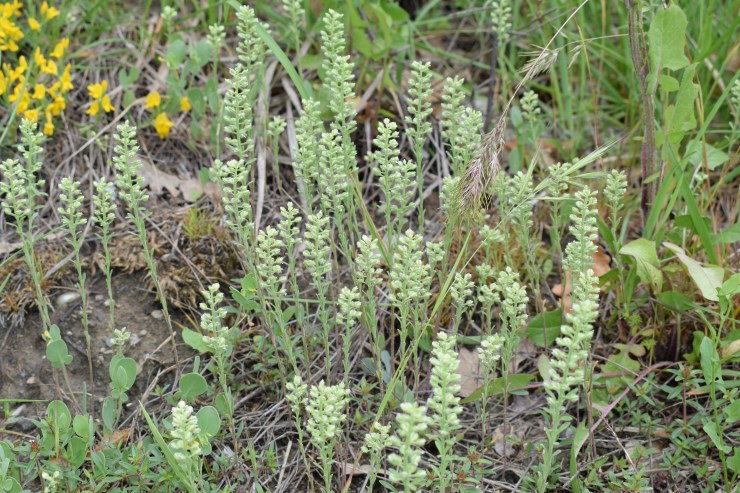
(209, 420)
(192, 385)
(58, 412)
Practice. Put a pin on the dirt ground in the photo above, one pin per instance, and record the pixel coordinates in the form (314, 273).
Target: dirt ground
(26, 374)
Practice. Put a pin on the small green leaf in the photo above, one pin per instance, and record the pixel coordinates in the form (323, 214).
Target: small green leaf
(545, 324)
(197, 100)
(209, 421)
(202, 52)
(122, 372)
(109, 413)
(710, 363)
(57, 353)
(696, 150)
(728, 235)
(76, 452)
(713, 431)
(176, 52)
(245, 302)
(668, 83)
(676, 301)
(733, 462)
(57, 413)
(191, 386)
(646, 260)
(679, 117)
(194, 340)
(517, 381)
(82, 426)
(733, 411)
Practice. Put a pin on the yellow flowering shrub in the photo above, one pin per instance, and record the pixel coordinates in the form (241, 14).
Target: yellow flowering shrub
(32, 81)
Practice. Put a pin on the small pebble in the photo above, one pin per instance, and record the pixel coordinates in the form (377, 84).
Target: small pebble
(99, 297)
(64, 299)
(32, 381)
(157, 314)
(26, 424)
(143, 332)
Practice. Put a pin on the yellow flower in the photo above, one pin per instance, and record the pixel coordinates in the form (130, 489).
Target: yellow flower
(8, 10)
(20, 70)
(106, 104)
(66, 79)
(162, 125)
(49, 12)
(56, 107)
(16, 92)
(153, 99)
(39, 58)
(48, 128)
(33, 24)
(100, 98)
(185, 105)
(25, 101)
(39, 91)
(50, 68)
(96, 91)
(32, 115)
(3, 83)
(93, 109)
(58, 51)
(10, 33)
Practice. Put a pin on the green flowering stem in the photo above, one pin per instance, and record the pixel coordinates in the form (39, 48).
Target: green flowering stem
(375, 442)
(22, 189)
(445, 404)
(296, 396)
(129, 183)
(71, 214)
(326, 416)
(104, 215)
(408, 440)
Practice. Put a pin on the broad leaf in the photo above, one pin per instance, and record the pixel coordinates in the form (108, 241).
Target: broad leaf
(707, 278)
(667, 37)
(646, 260)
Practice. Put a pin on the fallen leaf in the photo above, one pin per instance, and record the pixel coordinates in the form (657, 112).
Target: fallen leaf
(158, 181)
(362, 469)
(599, 266)
(114, 439)
(730, 349)
(469, 370)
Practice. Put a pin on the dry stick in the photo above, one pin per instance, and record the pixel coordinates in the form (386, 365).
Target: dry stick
(260, 117)
(648, 153)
